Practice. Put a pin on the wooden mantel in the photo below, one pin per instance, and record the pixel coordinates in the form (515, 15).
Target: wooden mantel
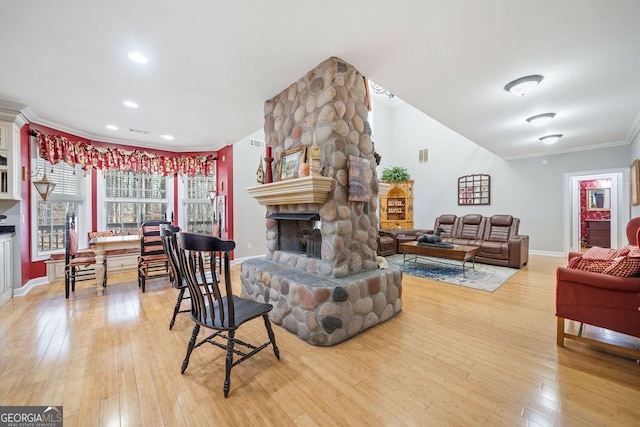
(309, 189)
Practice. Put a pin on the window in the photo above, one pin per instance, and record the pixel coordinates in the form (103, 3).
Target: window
(197, 209)
(132, 198)
(67, 197)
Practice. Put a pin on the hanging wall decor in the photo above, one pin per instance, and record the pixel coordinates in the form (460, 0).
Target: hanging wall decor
(474, 190)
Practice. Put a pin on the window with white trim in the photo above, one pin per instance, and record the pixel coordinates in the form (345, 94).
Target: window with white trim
(131, 198)
(198, 211)
(67, 198)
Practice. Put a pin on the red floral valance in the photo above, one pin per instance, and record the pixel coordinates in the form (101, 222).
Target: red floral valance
(55, 149)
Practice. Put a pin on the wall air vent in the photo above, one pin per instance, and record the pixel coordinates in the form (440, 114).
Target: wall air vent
(423, 155)
(256, 143)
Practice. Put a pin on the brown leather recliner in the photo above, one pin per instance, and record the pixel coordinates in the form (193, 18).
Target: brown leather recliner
(446, 222)
(501, 244)
(387, 243)
(468, 230)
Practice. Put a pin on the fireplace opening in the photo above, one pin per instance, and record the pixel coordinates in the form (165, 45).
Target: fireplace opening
(299, 233)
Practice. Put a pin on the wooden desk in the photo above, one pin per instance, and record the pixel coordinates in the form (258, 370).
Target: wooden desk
(99, 245)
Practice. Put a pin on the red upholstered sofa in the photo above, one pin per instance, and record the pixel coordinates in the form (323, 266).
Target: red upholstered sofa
(603, 300)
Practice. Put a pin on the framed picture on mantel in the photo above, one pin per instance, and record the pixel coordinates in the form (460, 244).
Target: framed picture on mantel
(290, 162)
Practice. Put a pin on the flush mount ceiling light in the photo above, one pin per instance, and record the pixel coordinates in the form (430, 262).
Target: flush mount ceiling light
(167, 137)
(541, 119)
(550, 139)
(130, 104)
(523, 85)
(138, 58)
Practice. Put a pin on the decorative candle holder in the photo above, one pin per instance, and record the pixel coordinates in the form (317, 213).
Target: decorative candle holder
(268, 178)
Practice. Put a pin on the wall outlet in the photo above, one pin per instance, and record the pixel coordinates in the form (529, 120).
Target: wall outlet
(248, 245)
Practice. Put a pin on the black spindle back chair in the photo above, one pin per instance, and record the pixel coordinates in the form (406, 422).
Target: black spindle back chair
(216, 307)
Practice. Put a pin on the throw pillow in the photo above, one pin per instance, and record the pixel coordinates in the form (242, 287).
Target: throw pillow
(634, 251)
(591, 265)
(624, 266)
(596, 252)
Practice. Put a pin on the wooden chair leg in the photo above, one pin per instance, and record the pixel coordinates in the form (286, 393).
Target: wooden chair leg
(229, 362)
(272, 337)
(104, 281)
(192, 342)
(66, 284)
(177, 308)
(560, 332)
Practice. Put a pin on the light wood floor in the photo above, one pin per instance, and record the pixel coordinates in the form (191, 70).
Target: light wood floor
(454, 356)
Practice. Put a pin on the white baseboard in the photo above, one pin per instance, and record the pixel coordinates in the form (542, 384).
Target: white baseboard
(548, 253)
(38, 281)
(243, 259)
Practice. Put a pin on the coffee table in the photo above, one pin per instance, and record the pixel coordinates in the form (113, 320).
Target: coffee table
(457, 253)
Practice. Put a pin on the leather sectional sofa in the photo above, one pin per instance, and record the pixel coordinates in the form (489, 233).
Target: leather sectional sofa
(496, 237)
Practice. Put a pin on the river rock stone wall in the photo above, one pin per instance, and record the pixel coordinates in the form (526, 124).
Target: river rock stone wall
(329, 106)
(322, 311)
(326, 300)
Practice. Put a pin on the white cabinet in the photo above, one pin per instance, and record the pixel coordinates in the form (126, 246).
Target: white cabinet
(9, 161)
(6, 261)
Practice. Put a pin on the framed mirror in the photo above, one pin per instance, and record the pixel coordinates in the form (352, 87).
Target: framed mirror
(598, 199)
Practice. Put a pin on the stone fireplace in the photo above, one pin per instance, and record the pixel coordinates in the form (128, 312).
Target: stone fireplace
(320, 270)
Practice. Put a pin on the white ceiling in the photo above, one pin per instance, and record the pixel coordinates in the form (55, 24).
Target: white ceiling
(213, 64)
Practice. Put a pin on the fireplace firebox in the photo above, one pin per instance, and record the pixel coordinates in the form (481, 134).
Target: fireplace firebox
(299, 233)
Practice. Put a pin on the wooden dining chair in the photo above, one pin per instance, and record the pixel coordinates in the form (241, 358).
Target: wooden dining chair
(153, 261)
(78, 265)
(216, 307)
(178, 280)
(168, 236)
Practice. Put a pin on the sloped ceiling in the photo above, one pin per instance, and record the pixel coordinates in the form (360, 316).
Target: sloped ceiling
(213, 64)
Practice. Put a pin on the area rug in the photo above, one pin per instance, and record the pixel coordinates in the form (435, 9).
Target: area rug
(485, 277)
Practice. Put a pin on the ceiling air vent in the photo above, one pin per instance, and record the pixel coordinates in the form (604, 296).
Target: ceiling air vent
(256, 143)
(139, 131)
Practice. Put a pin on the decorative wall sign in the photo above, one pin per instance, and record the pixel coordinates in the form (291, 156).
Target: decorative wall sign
(474, 190)
(360, 176)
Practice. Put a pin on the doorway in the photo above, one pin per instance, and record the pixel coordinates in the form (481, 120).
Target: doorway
(618, 215)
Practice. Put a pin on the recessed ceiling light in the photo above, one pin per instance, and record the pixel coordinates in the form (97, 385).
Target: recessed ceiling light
(137, 57)
(541, 119)
(130, 104)
(167, 137)
(550, 139)
(523, 85)
(112, 127)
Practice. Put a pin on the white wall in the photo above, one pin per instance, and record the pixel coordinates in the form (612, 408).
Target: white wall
(249, 223)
